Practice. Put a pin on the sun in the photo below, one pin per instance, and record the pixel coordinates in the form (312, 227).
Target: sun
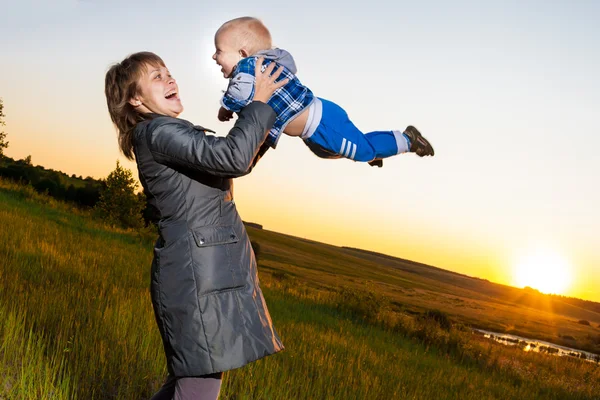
(544, 270)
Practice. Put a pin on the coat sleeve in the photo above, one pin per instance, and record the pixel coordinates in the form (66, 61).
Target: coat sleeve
(261, 152)
(240, 92)
(180, 146)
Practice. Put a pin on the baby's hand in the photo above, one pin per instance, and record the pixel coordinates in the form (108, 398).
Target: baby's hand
(224, 114)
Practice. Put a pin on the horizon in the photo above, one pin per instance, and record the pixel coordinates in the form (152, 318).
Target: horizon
(525, 288)
(506, 93)
(258, 225)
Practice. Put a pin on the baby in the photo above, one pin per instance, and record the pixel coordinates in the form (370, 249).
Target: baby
(322, 124)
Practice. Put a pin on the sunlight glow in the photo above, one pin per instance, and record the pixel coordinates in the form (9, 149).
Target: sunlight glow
(207, 67)
(544, 270)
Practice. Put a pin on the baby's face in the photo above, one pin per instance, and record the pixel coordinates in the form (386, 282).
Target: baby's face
(227, 54)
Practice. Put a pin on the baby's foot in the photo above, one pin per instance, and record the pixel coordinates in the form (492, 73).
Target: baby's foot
(378, 162)
(418, 144)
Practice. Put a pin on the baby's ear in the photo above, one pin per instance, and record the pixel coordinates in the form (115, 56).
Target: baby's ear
(244, 53)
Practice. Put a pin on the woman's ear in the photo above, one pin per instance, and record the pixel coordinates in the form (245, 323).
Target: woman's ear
(135, 101)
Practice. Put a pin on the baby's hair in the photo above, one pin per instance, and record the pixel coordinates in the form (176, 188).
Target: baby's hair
(121, 85)
(251, 33)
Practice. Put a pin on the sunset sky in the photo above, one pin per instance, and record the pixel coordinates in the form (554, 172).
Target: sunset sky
(508, 93)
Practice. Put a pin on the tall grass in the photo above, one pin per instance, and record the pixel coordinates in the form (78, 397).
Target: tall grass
(26, 370)
(77, 323)
(84, 290)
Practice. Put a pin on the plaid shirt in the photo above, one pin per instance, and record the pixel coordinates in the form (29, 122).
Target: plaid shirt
(287, 101)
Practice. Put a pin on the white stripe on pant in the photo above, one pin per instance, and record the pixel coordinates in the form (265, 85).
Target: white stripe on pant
(346, 147)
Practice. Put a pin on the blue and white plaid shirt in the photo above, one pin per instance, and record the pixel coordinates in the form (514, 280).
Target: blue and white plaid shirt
(287, 101)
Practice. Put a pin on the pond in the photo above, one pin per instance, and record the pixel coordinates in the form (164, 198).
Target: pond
(538, 345)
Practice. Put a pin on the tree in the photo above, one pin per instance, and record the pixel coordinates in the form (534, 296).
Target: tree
(118, 203)
(3, 142)
(256, 248)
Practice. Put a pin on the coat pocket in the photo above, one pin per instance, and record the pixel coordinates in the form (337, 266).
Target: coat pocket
(214, 235)
(212, 257)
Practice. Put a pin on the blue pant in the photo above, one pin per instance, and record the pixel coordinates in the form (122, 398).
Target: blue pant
(336, 136)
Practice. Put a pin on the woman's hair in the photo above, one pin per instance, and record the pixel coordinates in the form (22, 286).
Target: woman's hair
(121, 85)
(251, 33)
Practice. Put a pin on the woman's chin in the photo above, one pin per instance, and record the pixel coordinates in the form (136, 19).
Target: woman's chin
(175, 109)
(179, 109)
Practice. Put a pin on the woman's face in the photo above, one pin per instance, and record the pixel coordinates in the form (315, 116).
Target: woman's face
(158, 93)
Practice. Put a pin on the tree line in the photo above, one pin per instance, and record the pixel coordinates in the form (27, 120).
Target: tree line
(114, 198)
(74, 189)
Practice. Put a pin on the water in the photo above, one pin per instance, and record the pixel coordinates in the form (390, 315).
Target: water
(539, 345)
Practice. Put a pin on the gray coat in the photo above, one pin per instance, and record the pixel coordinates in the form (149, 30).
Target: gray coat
(204, 286)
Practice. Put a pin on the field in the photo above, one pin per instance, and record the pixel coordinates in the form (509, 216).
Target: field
(77, 321)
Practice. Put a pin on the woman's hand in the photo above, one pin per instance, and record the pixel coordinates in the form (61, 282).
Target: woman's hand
(265, 84)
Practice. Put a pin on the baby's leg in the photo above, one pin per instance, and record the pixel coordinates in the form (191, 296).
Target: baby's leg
(387, 143)
(338, 134)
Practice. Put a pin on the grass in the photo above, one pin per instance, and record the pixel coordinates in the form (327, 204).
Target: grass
(414, 288)
(78, 323)
(29, 371)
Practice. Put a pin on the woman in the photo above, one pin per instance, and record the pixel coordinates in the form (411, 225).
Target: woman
(209, 308)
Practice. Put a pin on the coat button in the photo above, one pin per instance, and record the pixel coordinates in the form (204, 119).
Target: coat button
(201, 241)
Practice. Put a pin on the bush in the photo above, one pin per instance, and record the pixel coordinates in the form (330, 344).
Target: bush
(253, 225)
(50, 187)
(363, 304)
(280, 276)
(256, 249)
(584, 322)
(119, 204)
(595, 339)
(439, 317)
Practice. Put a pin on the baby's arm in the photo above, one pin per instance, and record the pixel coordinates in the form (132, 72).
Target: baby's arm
(239, 92)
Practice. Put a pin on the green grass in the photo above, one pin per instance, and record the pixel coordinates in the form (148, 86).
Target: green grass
(77, 321)
(28, 371)
(415, 288)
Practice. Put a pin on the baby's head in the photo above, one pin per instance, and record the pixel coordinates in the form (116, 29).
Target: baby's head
(237, 39)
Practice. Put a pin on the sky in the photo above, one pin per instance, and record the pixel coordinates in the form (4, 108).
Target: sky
(507, 92)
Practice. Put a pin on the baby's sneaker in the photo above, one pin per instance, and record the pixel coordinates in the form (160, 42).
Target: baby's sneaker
(378, 162)
(418, 144)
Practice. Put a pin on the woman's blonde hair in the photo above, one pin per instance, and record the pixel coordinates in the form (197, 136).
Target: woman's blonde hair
(251, 33)
(121, 85)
